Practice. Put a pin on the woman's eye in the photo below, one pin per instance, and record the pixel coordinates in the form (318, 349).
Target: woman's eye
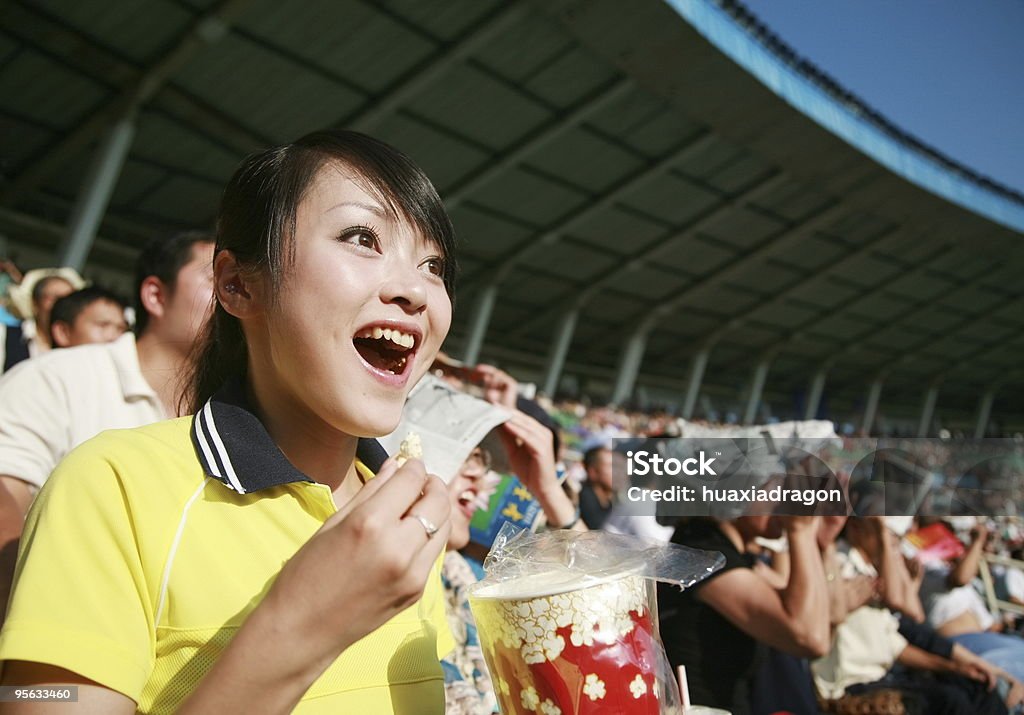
(361, 236)
(434, 266)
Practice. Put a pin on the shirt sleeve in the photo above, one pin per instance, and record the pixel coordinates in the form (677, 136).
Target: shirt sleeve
(1015, 583)
(925, 637)
(34, 433)
(80, 599)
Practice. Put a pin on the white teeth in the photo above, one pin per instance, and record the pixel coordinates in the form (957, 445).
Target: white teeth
(397, 337)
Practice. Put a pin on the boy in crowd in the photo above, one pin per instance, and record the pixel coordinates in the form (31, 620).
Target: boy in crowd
(89, 315)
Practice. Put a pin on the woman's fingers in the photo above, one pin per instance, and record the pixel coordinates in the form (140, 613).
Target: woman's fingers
(414, 502)
(404, 521)
(499, 386)
(388, 468)
(529, 432)
(428, 515)
(425, 528)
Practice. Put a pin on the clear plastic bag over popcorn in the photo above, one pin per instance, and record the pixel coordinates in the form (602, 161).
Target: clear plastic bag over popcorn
(568, 621)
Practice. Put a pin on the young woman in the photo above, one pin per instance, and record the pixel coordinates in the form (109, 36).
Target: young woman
(246, 559)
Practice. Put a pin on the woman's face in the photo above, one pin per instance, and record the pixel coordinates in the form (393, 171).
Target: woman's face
(359, 315)
(465, 493)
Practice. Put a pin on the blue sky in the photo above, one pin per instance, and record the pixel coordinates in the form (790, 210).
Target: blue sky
(950, 72)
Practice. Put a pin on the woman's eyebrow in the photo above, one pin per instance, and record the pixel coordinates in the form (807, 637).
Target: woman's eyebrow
(372, 208)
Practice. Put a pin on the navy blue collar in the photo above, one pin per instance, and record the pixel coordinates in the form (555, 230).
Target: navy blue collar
(235, 448)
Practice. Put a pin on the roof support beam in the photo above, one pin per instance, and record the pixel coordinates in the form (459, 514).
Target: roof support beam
(779, 298)
(39, 30)
(498, 270)
(766, 248)
(204, 30)
(505, 265)
(970, 358)
(984, 413)
(629, 364)
(757, 380)
(482, 310)
(95, 192)
(925, 345)
(814, 394)
(559, 350)
(51, 233)
(800, 330)
(871, 408)
(497, 166)
(698, 365)
(378, 108)
(649, 255)
(931, 396)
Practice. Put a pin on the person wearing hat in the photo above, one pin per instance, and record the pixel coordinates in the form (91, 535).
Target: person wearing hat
(33, 300)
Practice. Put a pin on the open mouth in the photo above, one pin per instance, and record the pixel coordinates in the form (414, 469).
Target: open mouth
(386, 349)
(470, 501)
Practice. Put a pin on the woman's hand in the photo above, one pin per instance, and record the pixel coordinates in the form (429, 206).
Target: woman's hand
(1016, 695)
(367, 563)
(860, 591)
(800, 523)
(378, 537)
(531, 455)
(531, 452)
(500, 388)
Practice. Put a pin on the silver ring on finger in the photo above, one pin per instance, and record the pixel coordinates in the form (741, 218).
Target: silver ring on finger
(428, 526)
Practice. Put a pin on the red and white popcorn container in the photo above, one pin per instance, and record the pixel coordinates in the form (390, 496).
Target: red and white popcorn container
(568, 622)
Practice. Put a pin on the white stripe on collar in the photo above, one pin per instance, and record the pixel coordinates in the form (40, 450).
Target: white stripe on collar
(222, 452)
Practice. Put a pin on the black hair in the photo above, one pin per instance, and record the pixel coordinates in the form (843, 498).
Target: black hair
(591, 455)
(256, 222)
(538, 413)
(163, 258)
(68, 308)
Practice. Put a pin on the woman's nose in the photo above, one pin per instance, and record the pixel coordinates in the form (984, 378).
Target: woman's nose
(405, 287)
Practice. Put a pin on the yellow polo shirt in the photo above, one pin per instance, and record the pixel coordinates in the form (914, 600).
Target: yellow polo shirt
(137, 567)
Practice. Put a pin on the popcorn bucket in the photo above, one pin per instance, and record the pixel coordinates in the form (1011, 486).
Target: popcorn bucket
(568, 644)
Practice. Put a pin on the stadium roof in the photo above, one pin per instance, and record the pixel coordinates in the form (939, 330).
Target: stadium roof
(673, 170)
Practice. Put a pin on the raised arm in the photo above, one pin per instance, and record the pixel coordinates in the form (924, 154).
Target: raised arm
(531, 455)
(966, 569)
(899, 590)
(795, 619)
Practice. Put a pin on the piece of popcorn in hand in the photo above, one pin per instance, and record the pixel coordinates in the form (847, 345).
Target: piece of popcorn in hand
(411, 448)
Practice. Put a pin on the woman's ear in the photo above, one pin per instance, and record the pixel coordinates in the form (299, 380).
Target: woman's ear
(237, 292)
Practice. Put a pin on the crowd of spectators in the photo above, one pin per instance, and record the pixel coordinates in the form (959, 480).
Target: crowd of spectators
(810, 613)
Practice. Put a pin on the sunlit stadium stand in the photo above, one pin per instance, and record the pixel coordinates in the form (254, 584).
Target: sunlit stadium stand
(658, 201)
